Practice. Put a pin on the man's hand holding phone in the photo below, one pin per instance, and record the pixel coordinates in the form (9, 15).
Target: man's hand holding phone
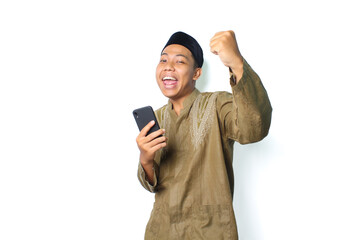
(149, 145)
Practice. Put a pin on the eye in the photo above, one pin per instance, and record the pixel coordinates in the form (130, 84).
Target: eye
(163, 60)
(180, 61)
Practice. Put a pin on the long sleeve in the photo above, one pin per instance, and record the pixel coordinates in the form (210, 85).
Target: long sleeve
(246, 115)
(141, 174)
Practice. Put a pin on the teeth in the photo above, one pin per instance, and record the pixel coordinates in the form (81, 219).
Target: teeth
(169, 78)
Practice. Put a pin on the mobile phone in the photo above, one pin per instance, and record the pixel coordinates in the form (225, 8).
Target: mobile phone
(145, 115)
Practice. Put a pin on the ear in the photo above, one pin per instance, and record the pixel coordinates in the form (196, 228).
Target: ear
(197, 73)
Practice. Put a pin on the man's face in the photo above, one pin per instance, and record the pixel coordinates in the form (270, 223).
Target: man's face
(175, 73)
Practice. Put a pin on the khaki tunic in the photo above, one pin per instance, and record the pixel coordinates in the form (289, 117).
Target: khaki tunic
(194, 180)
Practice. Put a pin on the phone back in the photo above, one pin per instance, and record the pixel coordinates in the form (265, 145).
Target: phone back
(145, 115)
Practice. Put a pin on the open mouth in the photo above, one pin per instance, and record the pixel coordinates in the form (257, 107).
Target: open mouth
(169, 82)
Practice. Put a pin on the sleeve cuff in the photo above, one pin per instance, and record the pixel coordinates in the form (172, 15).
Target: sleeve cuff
(240, 82)
(143, 177)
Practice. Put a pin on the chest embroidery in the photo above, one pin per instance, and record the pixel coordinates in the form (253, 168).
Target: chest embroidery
(201, 118)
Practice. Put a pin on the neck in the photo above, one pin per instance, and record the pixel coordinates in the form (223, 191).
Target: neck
(178, 104)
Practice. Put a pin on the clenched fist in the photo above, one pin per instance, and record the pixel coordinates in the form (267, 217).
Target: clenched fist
(225, 46)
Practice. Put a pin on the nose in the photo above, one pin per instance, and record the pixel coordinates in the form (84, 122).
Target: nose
(169, 66)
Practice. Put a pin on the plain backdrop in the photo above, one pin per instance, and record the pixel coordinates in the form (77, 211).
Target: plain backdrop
(71, 72)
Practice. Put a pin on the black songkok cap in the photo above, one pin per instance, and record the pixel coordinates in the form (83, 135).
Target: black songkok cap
(189, 42)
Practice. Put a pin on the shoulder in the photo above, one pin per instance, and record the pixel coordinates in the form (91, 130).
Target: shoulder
(161, 109)
(216, 96)
(217, 93)
(216, 100)
(160, 112)
(206, 101)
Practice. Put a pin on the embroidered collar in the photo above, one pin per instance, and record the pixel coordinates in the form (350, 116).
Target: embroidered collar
(188, 102)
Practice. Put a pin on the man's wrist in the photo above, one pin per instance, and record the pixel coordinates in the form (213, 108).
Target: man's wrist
(237, 69)
(147, 165)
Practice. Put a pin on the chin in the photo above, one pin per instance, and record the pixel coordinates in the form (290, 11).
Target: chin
(168, 94)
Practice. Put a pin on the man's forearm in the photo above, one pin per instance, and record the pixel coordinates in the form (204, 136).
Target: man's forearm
(149, 170)
(251, 107)
(237, 69)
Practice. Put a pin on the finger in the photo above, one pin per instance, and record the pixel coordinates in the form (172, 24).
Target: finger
(156, 141)
(216, 52)
(155, 134)
(223, 34)
(224, 37)
(159, 146)
(151, 147)
(147, 140)
(216, 36)
(214, 41)
(147, 128)
(214, 48)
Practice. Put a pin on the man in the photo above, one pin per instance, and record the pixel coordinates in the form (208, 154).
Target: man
(189, 167)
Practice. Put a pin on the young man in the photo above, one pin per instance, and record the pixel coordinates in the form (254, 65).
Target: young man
(190, 167)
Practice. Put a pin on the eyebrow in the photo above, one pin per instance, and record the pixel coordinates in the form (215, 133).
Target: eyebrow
(178, 55)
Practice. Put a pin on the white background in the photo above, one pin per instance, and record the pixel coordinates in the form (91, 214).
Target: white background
(71, 72)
